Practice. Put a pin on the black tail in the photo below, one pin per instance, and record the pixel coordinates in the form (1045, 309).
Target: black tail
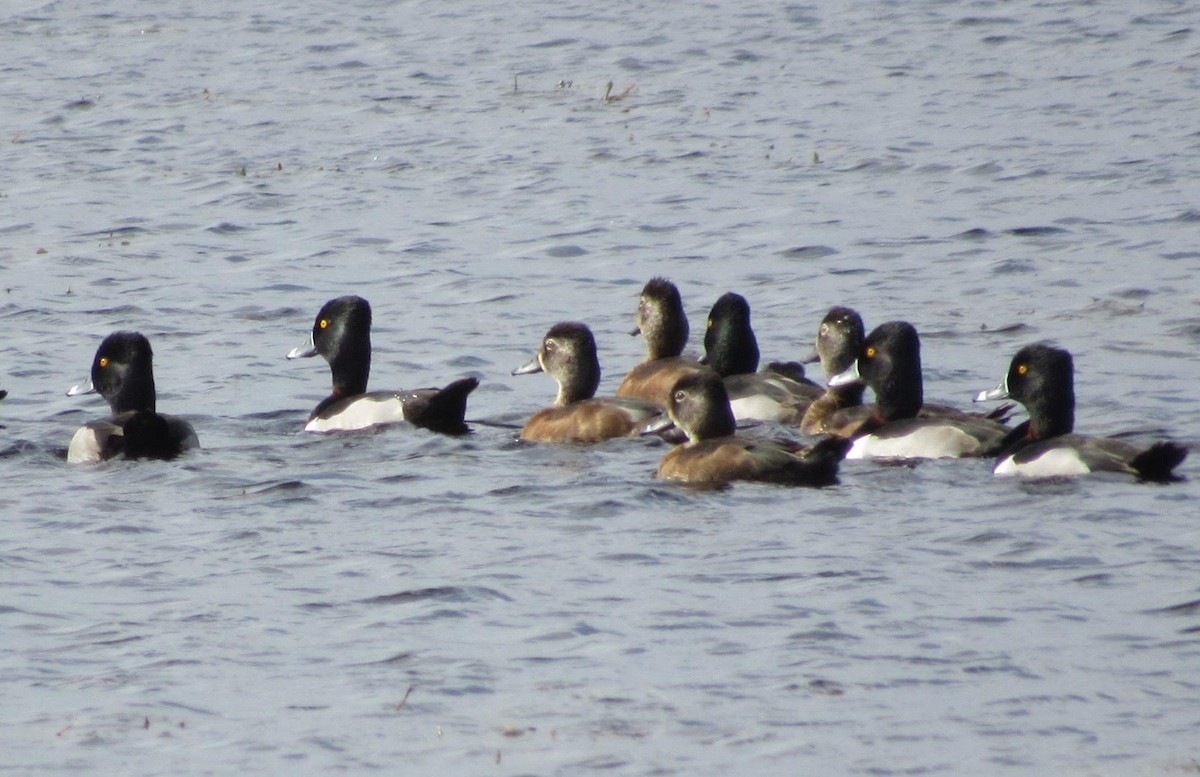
(148, 436)
(793, 370)
(445, 410)
(819, 466)
(1001, 414)
(1156, 462)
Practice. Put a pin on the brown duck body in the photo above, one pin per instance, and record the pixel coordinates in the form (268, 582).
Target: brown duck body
(568, 354)
(714, 454)
(724, 459)
(828, 415)
(653, 380)
(589, 421)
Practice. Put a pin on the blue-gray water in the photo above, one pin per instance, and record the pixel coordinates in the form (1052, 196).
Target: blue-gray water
(281, 603)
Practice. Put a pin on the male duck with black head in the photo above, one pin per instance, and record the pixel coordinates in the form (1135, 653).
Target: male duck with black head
(1042, 378)
(341, 334)
(568, 354)
(779, 393)
(123, 373)
(661, 320)
(714, 455)
(890, 364)
(840, 410)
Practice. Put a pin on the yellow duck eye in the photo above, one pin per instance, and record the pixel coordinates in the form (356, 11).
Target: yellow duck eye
(323, 323)
(103, 361)
(871, 352)
(1022, 369)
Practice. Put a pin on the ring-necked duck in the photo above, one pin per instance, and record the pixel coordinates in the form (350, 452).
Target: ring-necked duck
(341, 333)
(840, 410)
(123, 373)
(890, 363)
(661, 320)
(568, 354)
(731, 350)
(1042, 378)
(714, 455)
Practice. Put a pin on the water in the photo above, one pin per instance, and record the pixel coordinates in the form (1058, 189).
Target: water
(278, 602)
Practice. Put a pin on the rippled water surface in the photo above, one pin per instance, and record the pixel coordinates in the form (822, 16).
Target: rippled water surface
(210, 173)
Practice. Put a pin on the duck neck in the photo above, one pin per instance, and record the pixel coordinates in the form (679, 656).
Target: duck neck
(351, 368)
(901, 394)
(1052, 414)
(579, 382)
(136, 389)
(850, 395)
(720, 423)
(664, 340)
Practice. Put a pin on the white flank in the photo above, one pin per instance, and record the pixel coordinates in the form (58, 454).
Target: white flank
(1054, 463)
(756, 408)
(360, 413)
(926, 442)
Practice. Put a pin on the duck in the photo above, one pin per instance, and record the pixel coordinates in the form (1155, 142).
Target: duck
(889, 362)
(341, 334)
(715, 455)
(1042, 378)
(123, 374)
(840, 410)
(780, 393)
(568, 354)
(661, 320)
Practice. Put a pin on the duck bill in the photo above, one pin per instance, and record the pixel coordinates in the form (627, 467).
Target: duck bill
(529, 367)
(635, 332)
(79, 389)
(847, 376)
(304, 351)
(657, 426)
(1000, 392)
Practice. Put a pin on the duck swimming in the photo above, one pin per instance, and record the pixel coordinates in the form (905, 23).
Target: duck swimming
(341, 334)
(731, 350)
(123, 373)
(889, 362)
(568, 354)
(1042, 378)
(840, 410)
(714, 454)
(662, 322)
